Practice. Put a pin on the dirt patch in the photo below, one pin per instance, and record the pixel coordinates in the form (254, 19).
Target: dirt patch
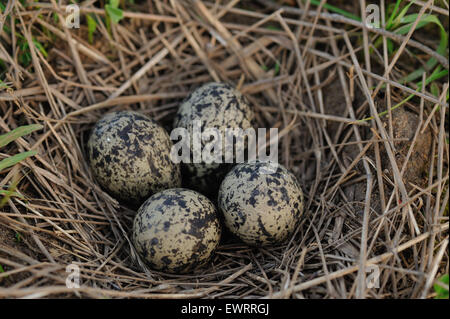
(13, 241)
(406, 125)
(405, 135)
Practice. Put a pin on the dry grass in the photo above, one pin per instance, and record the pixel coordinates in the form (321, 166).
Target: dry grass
(364, 207)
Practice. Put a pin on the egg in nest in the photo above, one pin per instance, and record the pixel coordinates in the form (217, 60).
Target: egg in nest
(176, 230)
(129, 156)
(218, 106)
(261, 202)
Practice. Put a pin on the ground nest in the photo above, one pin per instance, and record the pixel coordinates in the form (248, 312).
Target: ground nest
(375, 178)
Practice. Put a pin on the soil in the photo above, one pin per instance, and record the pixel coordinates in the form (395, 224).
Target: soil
(405, 123)
(8, 238)
(334, 104)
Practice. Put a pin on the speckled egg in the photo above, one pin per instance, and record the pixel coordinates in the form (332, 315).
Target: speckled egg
(261, 202)
(216, 105)
(129, 156)
(176, 230)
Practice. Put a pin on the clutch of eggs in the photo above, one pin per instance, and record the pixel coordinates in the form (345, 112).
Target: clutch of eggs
(177, 229)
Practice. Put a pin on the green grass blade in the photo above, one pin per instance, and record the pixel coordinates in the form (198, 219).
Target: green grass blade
(379, 41)
(1, 271)
(435, 76)
(114, 13)
(18, 237)
(272, 27)
(434, 89)
(114, 3)
(7, 138)
(441, 292)
(13, 160)
(40, 48)
(8, 193)
(277, 68)
(441, 49)
(92, 26)
(336, 10)
(3, 85)
(392, 16)
(402, 13)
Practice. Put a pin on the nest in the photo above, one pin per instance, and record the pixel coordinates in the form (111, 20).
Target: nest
(375, 223)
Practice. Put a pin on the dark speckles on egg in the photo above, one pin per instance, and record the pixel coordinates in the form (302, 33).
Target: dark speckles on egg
(216, 105)
(129, 156)
(166, 226)
(176, 230)
(270, 203)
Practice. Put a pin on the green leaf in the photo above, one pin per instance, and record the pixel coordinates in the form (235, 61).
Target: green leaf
(2, 270)
(441, 292)
(40, 48)
(277, 69)
(92, 26)
(336, 10)
(115, 14)
(379, 41)
(114, 3)
(13, 160)
(402, 13)
(3, 85)
(424, 20)
(392, 16)
(24, 55)
(20, 131)
(7, 29)
(9, 193)
(434, 89)
(272, 27)
(434, 76)
(390, 46)
(441, 49)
